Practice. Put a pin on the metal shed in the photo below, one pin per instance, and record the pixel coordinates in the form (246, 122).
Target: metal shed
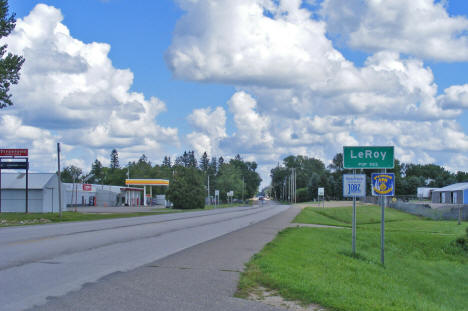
(43, 193)
(453, 194)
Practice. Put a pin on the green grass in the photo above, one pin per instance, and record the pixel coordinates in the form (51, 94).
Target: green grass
(15, 219)
(423, 271)
(342, 216)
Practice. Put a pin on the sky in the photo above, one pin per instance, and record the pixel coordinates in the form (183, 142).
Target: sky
(261, 78)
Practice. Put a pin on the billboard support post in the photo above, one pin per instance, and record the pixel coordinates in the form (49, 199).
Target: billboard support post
(354, 220)
(354, 186)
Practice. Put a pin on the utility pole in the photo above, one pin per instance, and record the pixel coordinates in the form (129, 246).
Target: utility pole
(295, 187)
(209, 188)
(59, 180)
(243, 186)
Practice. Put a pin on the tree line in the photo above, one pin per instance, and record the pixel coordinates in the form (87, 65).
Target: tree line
(188, 177)
(312, 173)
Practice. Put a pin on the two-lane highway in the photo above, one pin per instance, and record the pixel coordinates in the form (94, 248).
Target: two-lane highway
(43, 261)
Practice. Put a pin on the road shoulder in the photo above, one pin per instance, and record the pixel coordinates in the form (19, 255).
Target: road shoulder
(203, 277)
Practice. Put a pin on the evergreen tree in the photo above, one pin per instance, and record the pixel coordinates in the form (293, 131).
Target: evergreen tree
(114, 159)
(220, 162)
(10, 64)
(97, 171)
(167, 162)
(204, 162)
(191, 161)
(213, 167)
(179, 161)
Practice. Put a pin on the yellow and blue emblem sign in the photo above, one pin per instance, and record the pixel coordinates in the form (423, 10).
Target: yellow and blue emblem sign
(383, 184)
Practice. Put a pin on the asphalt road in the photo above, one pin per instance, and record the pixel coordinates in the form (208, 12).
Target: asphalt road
(66, 260)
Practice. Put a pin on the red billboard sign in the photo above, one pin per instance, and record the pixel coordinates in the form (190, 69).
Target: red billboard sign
(13, 152)
(87, 187)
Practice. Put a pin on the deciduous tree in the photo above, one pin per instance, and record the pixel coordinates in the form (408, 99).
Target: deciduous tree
(10, 64)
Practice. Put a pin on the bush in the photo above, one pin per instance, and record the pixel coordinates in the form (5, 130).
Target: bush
(186, 190)
(302, 195)
(462, 242)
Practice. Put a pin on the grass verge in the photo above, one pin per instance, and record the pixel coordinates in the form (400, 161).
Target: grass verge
(21, 219)
(423, 270)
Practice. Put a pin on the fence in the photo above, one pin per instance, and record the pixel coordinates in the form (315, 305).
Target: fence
(410, 204)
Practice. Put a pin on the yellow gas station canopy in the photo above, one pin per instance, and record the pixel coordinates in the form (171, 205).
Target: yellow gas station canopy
(147, 182)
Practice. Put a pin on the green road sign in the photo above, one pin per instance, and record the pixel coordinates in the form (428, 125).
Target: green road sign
(368, 157)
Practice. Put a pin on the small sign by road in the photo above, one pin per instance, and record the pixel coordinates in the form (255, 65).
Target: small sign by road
(13, 152)
(383, 184)
(14, 165)
(354, 185)
(321, 191)
(372, 157)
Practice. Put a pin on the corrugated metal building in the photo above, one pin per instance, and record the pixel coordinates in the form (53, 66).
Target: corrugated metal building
(79, 194)
(42, 194)
(453, 194)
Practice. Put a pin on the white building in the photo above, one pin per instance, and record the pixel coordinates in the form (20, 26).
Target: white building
(425, 192)
(79, 194)
(42, 194)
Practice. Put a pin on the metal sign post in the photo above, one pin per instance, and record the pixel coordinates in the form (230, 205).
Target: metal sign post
(354, 186)
(383, 185)
(321, 193)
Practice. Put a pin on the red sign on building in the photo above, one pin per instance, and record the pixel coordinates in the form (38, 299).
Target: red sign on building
(87, 187)
(13, 152)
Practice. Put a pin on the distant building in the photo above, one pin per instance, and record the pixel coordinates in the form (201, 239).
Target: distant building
(42, 194)
(425, 192)
(79, 194)
(453, 194)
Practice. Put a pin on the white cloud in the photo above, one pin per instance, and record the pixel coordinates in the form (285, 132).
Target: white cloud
(296, 94)
(72, 88)
(252, 128)
(237, 42)
(285, 55)
(40, 142)
(210, 129)
(418, 27)
(455, 97)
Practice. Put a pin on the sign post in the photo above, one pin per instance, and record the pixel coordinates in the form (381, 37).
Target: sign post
(354, 186)
(321, 193)
(373, 157)
(383, 185)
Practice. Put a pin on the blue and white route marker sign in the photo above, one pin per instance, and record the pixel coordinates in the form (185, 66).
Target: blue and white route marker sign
(383, 184)
(354, 185)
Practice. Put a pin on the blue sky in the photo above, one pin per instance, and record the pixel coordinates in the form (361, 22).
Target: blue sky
(223, 81)
(139, 33)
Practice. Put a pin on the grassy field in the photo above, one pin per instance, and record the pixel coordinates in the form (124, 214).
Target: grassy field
(423, 270)
(15, 219)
